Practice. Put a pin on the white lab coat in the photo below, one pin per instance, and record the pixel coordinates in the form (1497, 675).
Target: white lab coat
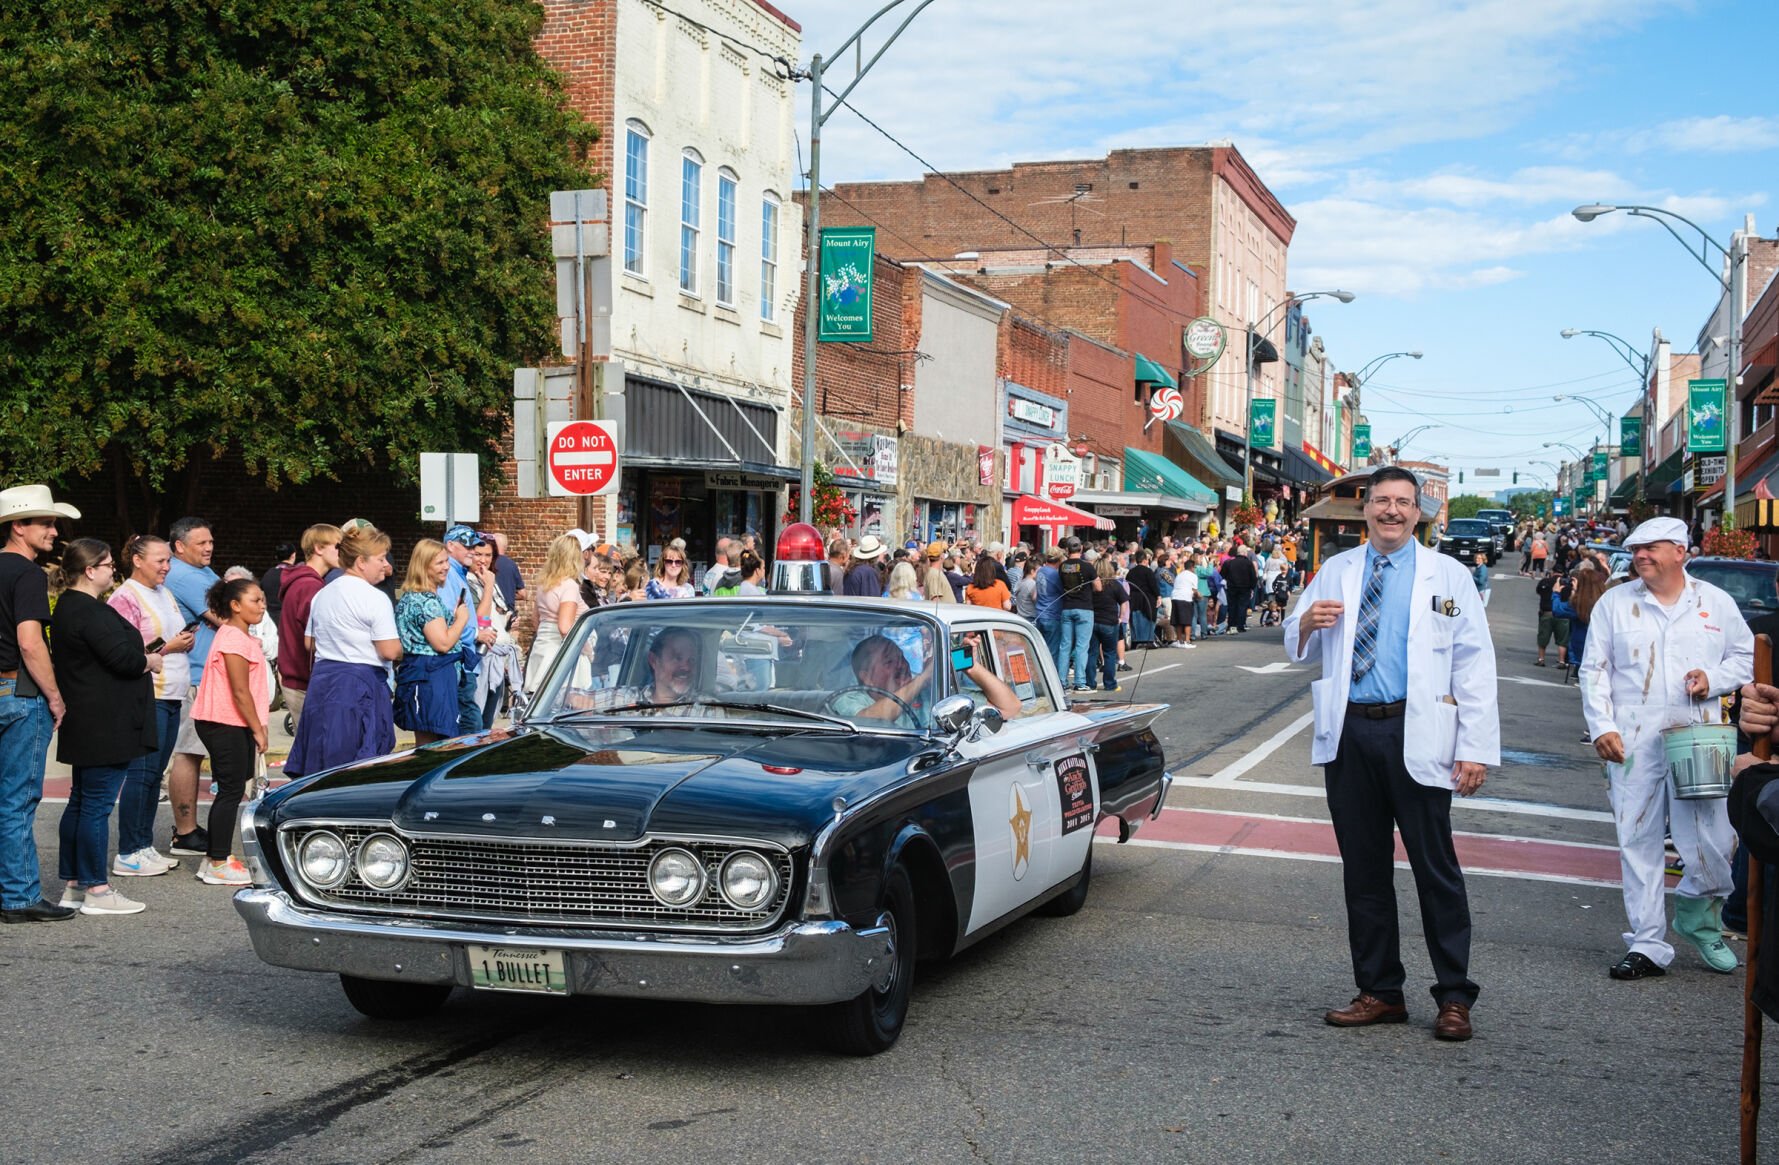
(1452, 712)
(1633, 682)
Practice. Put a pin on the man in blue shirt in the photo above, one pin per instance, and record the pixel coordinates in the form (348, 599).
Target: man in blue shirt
(1050, 603)
(190, 579)
(459, 541)
(1394, 755)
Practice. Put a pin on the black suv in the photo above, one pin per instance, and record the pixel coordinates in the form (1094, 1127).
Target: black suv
(1501, 522)
(1464, 537)
(1748, 582)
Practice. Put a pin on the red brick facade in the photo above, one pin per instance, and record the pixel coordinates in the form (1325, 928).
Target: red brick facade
(861, 384)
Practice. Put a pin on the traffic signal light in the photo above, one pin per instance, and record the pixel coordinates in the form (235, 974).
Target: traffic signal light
(1460, 477)
(1516, 477)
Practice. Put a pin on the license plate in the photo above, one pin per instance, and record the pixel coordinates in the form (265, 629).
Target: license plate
(517, 969)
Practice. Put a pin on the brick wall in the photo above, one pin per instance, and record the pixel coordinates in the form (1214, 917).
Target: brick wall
(580, 40)
(862, 383)
(1033, 356)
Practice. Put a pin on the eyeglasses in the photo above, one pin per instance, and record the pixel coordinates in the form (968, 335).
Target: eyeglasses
(673, 561)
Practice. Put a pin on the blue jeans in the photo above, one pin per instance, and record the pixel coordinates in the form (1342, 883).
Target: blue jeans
(1077, 633)
(1051, 631)
(141, 797)
(1105, 643)
(85, 829)
(25, 728)
(469, 709)
(1201, 622)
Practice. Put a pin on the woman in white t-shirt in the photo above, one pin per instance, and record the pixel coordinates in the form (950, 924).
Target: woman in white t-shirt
(348, 715)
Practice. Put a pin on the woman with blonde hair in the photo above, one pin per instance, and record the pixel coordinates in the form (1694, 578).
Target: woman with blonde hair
(902, 586)
(559, 604)
(348, 715)
(426, 679)
(669, 581)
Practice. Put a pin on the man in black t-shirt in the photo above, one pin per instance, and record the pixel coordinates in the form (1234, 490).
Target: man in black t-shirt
(1078, 585)
(30, 704)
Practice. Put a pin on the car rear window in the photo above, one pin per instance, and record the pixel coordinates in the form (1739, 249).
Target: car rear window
(1749, 583)
(1468, 527)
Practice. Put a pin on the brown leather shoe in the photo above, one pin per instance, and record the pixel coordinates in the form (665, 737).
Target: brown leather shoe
(1453, 1022)
(1366, 1010)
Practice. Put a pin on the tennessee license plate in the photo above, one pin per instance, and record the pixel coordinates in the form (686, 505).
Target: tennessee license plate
(517, 969)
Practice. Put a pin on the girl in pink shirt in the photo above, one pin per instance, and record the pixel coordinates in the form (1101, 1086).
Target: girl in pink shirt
(229, 713)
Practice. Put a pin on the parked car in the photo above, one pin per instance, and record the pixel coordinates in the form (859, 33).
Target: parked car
(1463, 537)
(708, 801)
(1501, 525)
(1747, 581)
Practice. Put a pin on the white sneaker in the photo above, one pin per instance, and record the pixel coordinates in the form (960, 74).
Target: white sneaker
(228, 872)
(156, 855)
(72, 896)
(1187, 646)
(139, 865)
(110, 902)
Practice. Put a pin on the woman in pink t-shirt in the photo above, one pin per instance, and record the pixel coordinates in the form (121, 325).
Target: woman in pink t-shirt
(230, 716)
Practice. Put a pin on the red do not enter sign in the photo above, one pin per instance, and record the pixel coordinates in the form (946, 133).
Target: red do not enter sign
(583, 458)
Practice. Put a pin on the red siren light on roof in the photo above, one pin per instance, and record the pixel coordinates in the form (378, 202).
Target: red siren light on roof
(800, 542)
(800, 562)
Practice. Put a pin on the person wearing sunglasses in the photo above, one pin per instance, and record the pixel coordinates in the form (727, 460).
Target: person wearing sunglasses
(671, 573)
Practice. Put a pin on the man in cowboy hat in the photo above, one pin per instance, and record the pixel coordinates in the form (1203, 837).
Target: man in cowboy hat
(863, 580)
(30, 703)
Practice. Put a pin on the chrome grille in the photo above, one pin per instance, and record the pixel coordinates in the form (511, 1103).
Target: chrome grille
(542, 883)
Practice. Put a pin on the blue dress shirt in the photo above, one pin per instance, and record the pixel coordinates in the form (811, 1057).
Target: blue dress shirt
(1387, 681)
(457, 584)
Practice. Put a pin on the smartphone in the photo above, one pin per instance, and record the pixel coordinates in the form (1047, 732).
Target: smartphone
(154, 645)
(962, 658)
(189, 626)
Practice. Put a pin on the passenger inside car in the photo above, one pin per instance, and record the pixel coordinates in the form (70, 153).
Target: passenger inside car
(674, 664)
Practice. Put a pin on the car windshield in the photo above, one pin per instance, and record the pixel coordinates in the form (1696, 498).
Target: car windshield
(822, 668)
(1467, 527)
(1494, 515)
(1749, 583)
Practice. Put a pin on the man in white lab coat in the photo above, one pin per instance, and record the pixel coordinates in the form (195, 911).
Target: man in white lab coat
(1658, 649)
(1405, 714)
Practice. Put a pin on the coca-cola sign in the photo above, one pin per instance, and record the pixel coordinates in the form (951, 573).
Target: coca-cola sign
(1062, 471)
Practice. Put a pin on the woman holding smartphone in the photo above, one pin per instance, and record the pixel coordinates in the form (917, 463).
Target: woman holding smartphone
(230, 717)
(426, 678)
(145, 602)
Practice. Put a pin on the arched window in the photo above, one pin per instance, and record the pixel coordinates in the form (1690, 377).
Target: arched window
(726, 188)
(769, 257)
(691, 195)
(636, 196)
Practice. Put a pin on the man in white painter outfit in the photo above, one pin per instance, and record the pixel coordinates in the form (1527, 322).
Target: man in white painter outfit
(1658, 649)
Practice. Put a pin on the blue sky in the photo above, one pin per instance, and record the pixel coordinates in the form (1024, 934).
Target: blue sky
(1431, 152)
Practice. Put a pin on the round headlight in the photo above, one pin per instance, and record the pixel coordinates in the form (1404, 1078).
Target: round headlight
(323, 859)
(382, 861)
(749, 881)
(676, 877)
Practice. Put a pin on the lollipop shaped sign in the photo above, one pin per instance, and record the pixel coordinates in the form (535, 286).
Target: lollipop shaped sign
(1167, 404)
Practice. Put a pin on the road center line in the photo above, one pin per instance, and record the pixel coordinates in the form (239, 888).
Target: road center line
(1228, 774)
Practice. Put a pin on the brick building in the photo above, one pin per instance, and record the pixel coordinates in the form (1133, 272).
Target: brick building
(1207, 202)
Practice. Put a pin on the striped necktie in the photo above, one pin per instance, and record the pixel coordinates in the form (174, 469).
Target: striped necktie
(1370, 611)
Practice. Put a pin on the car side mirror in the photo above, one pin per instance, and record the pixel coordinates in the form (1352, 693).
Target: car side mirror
(953, 714)
(986, 718)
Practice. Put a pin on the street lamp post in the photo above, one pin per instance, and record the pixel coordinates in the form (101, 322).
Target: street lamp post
(1580, 458)
(1403, 440)
(1736, 285)
(818, 117)
(1256, 330)
(1357, 379)
(1639, 363)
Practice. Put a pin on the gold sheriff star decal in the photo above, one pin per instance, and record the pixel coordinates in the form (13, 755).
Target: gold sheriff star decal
(1021, 821)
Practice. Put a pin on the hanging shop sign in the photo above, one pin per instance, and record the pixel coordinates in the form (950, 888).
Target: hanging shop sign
(1062, 472)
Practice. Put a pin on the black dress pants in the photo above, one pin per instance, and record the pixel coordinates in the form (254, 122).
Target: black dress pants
(1239, 598)
(1370, 794)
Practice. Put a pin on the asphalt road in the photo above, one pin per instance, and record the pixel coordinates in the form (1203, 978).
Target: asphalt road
(1176, 1018)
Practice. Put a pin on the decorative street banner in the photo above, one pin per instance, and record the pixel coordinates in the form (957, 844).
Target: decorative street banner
(1630, 436)
(1261, 414)
(1704, 416)
(847, 254)
(1599, 466)
(1361, 444)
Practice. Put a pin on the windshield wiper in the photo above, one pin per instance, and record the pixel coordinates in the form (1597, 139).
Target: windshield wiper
(638, 706)
(787, 710)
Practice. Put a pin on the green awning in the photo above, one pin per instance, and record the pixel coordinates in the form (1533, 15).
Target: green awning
(1146, 472)
(1668, 471)
(1201, 457)
(1149, 372)
(1627, 489)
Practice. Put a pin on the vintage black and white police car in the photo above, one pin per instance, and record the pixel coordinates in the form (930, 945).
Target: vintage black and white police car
(778, 800)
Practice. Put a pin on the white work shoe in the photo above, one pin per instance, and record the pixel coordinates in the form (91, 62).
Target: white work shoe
(110, 902)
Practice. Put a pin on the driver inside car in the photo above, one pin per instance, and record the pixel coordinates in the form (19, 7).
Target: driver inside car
(889, 691)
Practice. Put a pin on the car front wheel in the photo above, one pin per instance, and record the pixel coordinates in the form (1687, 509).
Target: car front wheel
(871, 1022)
(1076, 897)
(380, 999)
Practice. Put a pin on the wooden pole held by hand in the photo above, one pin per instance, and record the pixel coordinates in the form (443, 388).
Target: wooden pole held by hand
(1751, 1017)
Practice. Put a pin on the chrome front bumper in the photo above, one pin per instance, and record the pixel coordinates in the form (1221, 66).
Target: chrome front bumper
(801, 963)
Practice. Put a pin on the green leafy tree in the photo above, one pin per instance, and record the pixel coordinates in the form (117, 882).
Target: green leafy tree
(307, 233)
(1466, 505)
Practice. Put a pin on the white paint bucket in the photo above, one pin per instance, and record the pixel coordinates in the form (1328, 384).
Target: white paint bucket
(1701, 759)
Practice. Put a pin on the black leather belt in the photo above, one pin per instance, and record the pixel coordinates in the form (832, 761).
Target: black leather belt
(1377, 711)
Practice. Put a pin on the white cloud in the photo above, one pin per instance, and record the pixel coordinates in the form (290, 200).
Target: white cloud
(1721, 134)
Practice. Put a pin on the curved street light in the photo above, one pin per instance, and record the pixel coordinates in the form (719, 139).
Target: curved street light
(1257, 329)
(818, 117)
(1397, 444)
(1579, 455)
(1370, 366)
(1735, 284)
(1606, 418)
(1639, 362)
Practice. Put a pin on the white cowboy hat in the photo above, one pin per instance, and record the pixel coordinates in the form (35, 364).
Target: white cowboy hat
(32, 501)
(869, 547)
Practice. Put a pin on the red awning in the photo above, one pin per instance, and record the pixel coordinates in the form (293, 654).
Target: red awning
(1030, 511)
